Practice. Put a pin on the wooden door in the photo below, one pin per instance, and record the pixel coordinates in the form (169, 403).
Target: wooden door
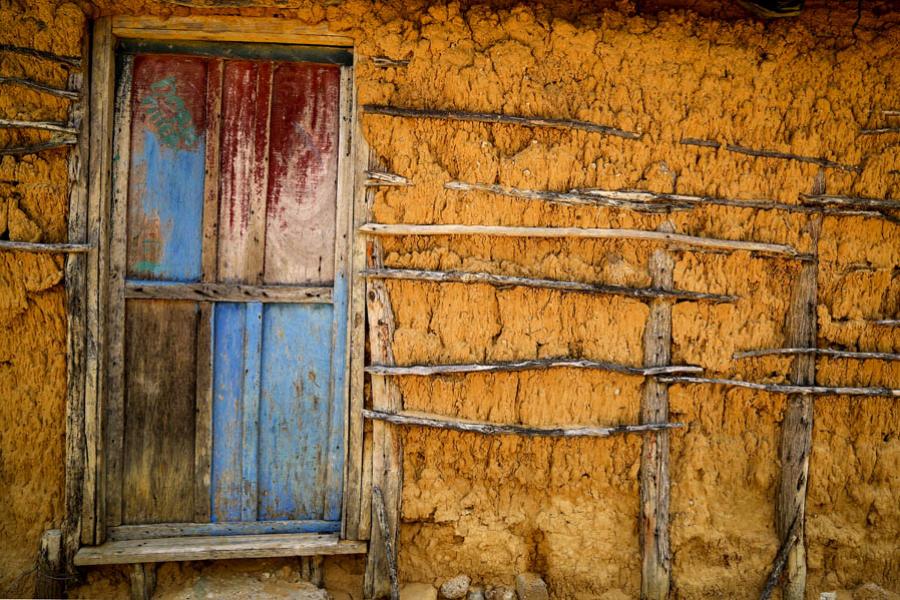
(231, 410)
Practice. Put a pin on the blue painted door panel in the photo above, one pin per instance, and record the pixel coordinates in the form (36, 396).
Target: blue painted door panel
(273, 413)
(296, 374)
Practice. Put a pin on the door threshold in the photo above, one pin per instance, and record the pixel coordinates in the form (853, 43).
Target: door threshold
(175, 549)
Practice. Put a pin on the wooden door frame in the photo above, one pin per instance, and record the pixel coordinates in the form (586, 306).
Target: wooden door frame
(90, 360)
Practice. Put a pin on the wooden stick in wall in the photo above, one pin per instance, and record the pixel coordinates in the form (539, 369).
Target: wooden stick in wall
(530, 365)
(506, 281)
(828, 164)
(819, 352)
(42, 125)
(39, 87)
(459, 115)
(656, 567)
(805, 391)
(61, 248)
(385, 179)
(581, 233)
(56, 142)
(70, 61)
(417, 419)
(847, 201)
(631, 201)
(879, 131)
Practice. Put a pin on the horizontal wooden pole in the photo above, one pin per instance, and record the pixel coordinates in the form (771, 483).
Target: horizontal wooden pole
(780, 388)
(879, 130)
(647, 201)
(43, 125)
(42, 247)
(829, 164)
(382, 178)
(507, 281)
(886, 322)
(655, 203)
(530, 365)
(449, 423)
(40, 87)
(818, 351)
(70, 61)
(228, 292)
(847, 201)
(39, 147)
(459, 115)
(384, 61)
(579, 233)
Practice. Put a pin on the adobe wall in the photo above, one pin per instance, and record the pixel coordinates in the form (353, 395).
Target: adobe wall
(491, 507)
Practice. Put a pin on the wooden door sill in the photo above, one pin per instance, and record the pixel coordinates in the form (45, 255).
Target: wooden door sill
(174, 549)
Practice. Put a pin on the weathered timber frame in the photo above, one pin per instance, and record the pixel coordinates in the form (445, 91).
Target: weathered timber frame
(96, 295)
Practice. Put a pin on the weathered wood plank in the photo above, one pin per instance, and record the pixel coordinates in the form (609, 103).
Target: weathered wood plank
(302, 190)
(50, 579)
(529, 365)
(340, 344)
(387, 454)
(165, 192)
(229, 292)
(99, 192)
(244, 173)
(656, 560)
(250, 416)
(115, 407)
(212, 548)
(419, 419)
(797, 427)
(160, 370)
(387, 536)
(225, 28)
(75, 286)
(226, 487)
(142, 579)
(355, 520)
(165, 530)
(504, 281)
(294, 412)
(580, 233)
(203, 414)
(210, 243)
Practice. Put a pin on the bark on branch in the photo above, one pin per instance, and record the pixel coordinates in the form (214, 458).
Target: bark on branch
(465, 425)
(818, 351)
(530, 365)
(458, 115)
(508, 281)
(781, 388)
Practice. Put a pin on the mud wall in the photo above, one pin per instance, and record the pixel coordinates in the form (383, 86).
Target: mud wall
(491, 507)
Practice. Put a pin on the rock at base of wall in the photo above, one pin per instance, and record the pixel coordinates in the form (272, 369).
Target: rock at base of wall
(530, 586)
(418, 591)
(455, 588)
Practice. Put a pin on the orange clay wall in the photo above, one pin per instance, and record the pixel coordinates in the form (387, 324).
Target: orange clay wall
(494, 506)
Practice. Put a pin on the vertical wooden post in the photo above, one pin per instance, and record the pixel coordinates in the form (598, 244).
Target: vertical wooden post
(99, 193)
(50, 579)
(75, 284)
(654, 519)
(142, 577)
(387, 465)
(796, 431)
